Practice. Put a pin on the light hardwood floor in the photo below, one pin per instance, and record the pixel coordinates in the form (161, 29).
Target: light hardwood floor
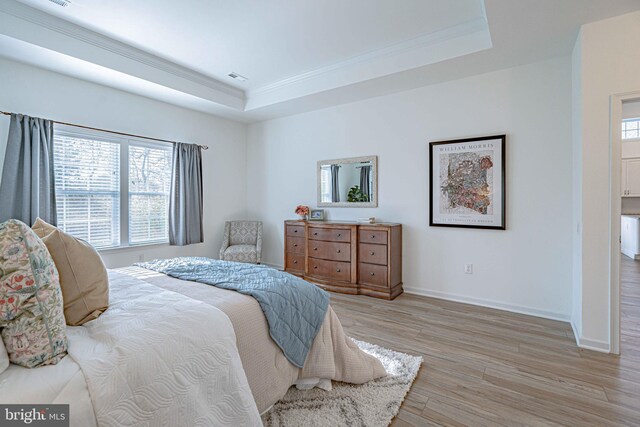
(485, 367)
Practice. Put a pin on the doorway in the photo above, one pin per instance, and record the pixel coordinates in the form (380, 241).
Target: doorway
(625, 216)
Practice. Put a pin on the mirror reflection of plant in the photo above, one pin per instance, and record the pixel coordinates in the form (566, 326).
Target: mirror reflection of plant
(356, 195)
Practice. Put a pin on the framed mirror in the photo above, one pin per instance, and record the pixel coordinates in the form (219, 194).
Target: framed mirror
(349, 182)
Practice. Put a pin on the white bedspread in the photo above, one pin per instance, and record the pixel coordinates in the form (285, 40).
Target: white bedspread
(61, 383)
(158, 358)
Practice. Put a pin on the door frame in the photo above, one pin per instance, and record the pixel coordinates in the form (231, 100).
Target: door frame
(616, 211)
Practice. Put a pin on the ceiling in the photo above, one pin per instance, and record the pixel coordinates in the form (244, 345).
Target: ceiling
(297, 55)
(266, 41)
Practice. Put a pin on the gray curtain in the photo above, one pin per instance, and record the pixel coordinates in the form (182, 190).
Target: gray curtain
(185, 200)
(365, 179)
(27, 190)
(335, 183)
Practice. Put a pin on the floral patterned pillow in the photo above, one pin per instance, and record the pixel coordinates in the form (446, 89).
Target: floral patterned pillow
(4, 358)
(31, 309)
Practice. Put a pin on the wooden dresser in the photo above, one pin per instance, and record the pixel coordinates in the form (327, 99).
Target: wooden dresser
(346, 257)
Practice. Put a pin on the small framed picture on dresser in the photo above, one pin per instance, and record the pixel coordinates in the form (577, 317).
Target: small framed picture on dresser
(316, 215)
(467, 187)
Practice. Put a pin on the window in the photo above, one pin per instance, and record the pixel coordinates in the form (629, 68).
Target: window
(149, 181)
(112, 192)
(87, 174)
(325, 183)
(631, 128)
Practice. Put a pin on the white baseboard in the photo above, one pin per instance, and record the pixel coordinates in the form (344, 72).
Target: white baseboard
(629, 253)
(277, 267)
(576, 335)
(594, 345)
(488, 303)
(589, 344)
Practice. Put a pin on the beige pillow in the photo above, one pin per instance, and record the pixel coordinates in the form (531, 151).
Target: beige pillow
(83, 276)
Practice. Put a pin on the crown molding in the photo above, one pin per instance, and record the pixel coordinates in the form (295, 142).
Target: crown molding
(69, 29)
(22, 22)
(420, 42)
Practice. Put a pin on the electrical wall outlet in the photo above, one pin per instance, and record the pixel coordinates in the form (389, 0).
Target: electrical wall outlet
(468, 268)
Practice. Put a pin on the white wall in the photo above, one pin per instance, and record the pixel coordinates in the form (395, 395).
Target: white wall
(41, 93)
(576, 176)
(526, 268)
(631, 110)
(631, 205)
(630, 149)
(604, 66)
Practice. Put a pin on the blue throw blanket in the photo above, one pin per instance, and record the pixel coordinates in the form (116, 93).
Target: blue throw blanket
(294, 308)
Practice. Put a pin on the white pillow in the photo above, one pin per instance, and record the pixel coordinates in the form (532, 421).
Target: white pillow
(4, 357)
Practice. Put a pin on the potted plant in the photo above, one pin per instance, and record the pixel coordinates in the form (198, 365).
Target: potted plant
(356, 195)
(303, 211)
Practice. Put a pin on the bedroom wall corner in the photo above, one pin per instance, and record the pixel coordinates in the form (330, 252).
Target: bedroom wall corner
(528, 267)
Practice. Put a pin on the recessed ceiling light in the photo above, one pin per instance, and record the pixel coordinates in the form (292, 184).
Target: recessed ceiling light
(233, 75)
(63, 3)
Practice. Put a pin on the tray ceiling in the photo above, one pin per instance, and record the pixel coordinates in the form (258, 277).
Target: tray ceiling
(297, 55)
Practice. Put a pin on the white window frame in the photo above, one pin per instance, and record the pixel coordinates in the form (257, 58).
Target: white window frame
(630, 119)
(124, 144)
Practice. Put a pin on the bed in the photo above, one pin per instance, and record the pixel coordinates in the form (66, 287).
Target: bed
(135, 363)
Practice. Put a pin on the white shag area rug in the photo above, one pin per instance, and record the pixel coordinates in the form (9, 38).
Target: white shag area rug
(373, 404)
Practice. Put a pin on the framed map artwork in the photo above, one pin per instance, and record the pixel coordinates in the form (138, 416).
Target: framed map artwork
(467, 187)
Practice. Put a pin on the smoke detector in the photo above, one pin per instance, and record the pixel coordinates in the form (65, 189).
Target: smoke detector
(63, 3)
(234, 75)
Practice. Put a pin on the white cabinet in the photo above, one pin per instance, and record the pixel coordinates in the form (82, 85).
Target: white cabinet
(630, 235)
(630, 178)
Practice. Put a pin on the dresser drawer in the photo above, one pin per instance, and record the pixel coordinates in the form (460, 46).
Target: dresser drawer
(371, 274)
(295, 245)
(378, 237)
(372, 254)
(295, 230)
(329, 234)
(295, 262)
(329, 250)
(324, 269)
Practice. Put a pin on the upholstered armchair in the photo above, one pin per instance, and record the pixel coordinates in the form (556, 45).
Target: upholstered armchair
(242, 241)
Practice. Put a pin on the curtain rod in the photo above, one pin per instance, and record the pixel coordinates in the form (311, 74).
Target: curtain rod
(204, 147)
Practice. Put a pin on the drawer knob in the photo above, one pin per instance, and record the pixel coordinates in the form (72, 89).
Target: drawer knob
(315, 234)
(338, 270)
(315, 249)
(295, 231)
(373, 236)
(373, 253)
(295, 245)
(373, 274)
(295, 261)
(339, 251)
(315, 267)
(339, 234)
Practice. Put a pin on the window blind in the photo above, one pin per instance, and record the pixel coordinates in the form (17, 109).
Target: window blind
(87, 174)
